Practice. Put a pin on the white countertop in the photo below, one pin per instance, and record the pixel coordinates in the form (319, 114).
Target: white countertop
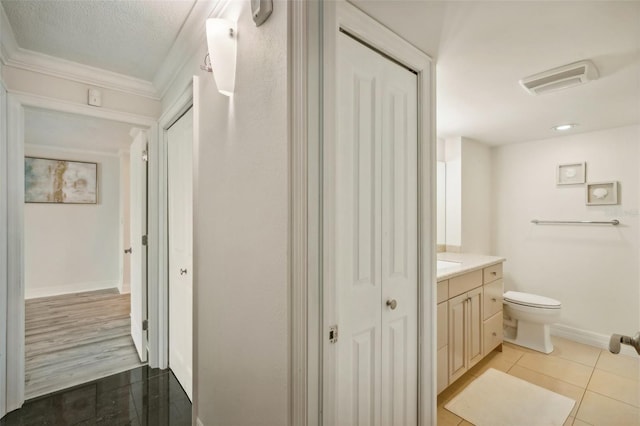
(466, 262)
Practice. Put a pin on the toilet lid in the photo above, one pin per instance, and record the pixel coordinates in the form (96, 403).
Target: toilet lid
(533, 300)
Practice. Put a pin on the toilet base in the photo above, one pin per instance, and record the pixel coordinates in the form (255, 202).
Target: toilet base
(533, 336)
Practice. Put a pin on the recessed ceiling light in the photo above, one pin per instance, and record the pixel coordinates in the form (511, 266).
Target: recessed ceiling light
(563, 127)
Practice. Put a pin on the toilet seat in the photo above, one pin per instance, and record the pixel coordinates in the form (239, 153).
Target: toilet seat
(531, 300)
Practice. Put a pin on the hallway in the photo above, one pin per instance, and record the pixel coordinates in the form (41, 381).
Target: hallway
(76, 338)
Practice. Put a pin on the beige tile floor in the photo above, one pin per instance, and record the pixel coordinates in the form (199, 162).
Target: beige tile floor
(606, 387)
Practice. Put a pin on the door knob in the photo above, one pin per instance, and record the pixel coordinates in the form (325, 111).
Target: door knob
(392, 303)
(183, 271)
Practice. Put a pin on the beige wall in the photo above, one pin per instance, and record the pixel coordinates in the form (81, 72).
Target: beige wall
(71, 91)
(241, 233)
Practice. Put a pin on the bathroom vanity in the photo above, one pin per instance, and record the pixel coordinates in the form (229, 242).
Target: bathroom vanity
(469, 316)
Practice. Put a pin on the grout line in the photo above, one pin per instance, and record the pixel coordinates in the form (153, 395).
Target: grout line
(587, 386)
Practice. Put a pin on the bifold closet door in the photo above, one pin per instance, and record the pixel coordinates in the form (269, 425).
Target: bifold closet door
(375, 213)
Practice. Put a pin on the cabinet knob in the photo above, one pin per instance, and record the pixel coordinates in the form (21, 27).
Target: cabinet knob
(494, 299)
(494, 334)
(494, 273)
(392, 303)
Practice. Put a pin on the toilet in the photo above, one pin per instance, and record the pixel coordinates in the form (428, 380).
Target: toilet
(527, 320)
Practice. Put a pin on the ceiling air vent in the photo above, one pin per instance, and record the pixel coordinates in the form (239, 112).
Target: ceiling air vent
(560, 78)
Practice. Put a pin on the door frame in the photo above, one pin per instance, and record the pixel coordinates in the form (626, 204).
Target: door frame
(3, 249)
(315, 27)
(15, 309)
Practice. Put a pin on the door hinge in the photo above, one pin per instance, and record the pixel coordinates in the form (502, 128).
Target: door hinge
(144, 240)
(333, 334)
(145, 325)
(145, 156)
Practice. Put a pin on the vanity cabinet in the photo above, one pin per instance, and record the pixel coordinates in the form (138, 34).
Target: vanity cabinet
(469, 321)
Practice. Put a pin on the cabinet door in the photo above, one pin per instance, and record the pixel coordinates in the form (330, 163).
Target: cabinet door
(457, 339)
(474, 326)
(443, 373)
(443, 320)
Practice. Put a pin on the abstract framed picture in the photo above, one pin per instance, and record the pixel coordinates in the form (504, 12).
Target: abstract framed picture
(54, 181)
(602, 193)
(571, 174)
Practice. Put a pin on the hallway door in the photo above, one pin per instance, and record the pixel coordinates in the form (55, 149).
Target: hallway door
(180, 150)
(376, 239)
(138, 231)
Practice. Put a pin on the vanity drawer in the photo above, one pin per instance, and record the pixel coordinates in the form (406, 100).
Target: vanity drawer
(492, 273)
(443, 291)
(492, 332)
(493, 298)
(443, 324)
(463, 283)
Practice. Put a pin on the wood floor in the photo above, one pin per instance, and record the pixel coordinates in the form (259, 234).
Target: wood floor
(76, 338)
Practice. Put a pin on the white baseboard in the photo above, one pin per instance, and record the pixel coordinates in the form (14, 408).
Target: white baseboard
(588, 338)
(34, 293)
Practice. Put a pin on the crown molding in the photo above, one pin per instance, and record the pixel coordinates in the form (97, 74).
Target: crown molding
(14, 56)
(191, 37)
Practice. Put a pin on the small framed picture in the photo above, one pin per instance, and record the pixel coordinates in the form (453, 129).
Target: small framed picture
(602, 193)
(571, 174)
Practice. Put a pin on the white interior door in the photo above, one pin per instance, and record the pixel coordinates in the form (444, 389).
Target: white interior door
(138, 228)
(180, 143)
(376, 239)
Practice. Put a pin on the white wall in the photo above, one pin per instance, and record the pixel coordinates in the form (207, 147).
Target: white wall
(241, 232)
(468, 195)
(592, 270)
(453, 186)
(476, 197)
(70, 247)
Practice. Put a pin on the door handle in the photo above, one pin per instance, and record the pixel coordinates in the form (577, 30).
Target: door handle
(183, 271)
(392, 304)
(129, 250)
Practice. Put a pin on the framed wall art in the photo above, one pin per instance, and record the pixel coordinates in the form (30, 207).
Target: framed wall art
(601, 193)
(571, 174)
(60, 181)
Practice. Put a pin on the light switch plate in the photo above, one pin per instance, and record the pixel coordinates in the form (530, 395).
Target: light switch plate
(95, 97)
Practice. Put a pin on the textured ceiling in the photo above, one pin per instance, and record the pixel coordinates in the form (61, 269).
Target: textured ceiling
(483, 48)
(130, 37)
(51, 128)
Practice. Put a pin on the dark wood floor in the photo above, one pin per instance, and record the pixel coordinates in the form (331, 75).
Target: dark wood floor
(76, 338)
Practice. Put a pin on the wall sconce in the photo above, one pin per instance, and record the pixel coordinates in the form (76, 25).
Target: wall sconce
(222, 46)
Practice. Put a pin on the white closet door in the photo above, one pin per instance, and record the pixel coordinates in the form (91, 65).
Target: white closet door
(399, 245)
(180, 150)
(375, 245)
(138, 206)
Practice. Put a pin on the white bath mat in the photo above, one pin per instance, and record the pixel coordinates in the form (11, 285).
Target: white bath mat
(499, 399)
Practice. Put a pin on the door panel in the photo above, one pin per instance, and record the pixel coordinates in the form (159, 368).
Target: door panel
(457, 340)
(376, 239)
(180, 185)
(399, 244)
(475, 326)
(138, 211)
(358, 240)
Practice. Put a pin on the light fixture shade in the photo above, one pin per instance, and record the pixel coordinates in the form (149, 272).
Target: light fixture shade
(222, 46)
